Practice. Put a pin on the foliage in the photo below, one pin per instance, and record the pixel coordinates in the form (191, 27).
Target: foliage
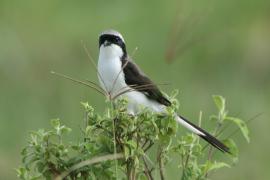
(116, 145)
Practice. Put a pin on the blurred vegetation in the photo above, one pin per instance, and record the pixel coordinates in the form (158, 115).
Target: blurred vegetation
(221, 47)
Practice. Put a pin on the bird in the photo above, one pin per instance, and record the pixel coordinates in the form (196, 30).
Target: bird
(117, 72)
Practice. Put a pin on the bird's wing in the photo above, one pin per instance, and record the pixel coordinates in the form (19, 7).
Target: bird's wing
(136, 79)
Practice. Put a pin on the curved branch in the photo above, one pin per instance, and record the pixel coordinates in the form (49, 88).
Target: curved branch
(90, 162)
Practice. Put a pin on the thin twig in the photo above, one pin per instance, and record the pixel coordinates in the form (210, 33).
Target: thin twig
(147, 171)
(238, 128)
(114, 82)
(149, 146)
(248, 121)
(133, 52)
(130, 90)
(135, 88)
(145, 142)
(97, 85)
(114, 139)
(200, 119)
(90, 162)
(94, 64)
(79, 82)
(211, 149)
(183, 166)
(226, 125)
(160, 164)
(199, 124)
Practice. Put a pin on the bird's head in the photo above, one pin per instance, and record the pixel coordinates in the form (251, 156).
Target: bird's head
(112, 43)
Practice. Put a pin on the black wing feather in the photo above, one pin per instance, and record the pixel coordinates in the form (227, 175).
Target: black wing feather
(138, 81)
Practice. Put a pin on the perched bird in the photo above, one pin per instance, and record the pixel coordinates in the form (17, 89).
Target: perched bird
(118, 73)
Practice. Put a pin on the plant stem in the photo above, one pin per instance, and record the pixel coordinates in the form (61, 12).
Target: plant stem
(219, 124)
(114, 139)
(90, 162)
(160, 163)
(147, 171)
(130, 169)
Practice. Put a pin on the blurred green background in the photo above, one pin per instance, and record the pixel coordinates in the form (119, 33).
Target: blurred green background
(199, 47)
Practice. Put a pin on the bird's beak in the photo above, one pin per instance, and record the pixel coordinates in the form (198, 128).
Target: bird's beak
(107, 43)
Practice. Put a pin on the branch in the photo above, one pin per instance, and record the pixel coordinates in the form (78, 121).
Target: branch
(92, 85)
(147, 171)
(160, 164)
(95, 65)
(90, 162)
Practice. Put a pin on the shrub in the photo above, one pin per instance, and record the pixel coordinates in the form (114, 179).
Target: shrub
(116, 145)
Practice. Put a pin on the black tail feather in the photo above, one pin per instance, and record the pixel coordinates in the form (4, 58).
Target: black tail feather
(208, 137)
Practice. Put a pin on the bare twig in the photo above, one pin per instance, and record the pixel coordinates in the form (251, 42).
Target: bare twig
(114, 140)
(160, 164)
(149, 146)
(88, 162)
(237, 130)
(94, 64)
(181, 28)
(80, 82)
(114, 82)
(135, 88)
(200, 119)
(95, 84)
(147, 171)
(134, 51)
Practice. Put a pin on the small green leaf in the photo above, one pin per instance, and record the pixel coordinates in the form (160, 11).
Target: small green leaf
(65, 130)
(233, 149)
(242, 126)
(131, 144)
(174, 93)
(88, 130)
(220, 102)
(126, 152)
(55, 123)
(85, 105)
(218, 165)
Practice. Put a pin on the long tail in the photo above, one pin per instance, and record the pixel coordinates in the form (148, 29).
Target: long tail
(203, 134)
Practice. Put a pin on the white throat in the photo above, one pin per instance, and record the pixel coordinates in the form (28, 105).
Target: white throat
(110, 68)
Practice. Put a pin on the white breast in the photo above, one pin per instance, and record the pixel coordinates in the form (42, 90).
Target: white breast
(110, 69)
(112, 80)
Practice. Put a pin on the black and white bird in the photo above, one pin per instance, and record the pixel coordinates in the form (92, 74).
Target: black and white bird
(117, 72)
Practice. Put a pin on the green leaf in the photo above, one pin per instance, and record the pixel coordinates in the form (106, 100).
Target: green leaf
(174, 93)
(242, 126)
(126, 152)
(88, 130)
(218, 165)
(233, 149)
(131, 143)
(220, 102)
(65, 130)
(210, 166)
(55, 123)
(85, 105)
